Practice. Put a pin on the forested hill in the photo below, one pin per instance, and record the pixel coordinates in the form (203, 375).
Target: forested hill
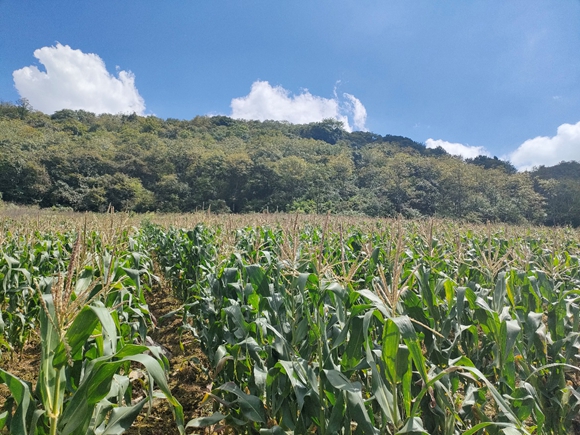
(86, 162)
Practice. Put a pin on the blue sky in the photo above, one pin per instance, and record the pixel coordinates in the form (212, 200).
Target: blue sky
(478, 76)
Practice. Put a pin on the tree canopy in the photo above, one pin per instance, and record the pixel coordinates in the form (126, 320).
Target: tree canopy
(84, 161)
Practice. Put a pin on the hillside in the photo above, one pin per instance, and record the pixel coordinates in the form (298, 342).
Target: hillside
(85, 162)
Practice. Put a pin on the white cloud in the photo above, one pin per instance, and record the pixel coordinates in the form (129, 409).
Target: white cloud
(276, 103)
(77, 80)
(359, 112)
(549, 151)
(457, 149)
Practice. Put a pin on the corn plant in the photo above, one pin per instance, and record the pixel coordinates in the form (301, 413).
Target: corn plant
(400, 328)
(82, 385)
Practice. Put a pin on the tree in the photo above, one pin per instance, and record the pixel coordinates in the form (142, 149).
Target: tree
(329, 130)
(492, 163)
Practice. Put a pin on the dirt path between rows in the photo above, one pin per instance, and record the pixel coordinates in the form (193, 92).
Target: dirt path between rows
(187, 377)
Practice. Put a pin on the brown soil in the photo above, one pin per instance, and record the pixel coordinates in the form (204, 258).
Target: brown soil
(23, 363)
(187, 378)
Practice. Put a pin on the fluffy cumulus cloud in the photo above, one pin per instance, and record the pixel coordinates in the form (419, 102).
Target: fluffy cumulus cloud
(76, 80)
(457, 149)
(276, 103)
(549, 151)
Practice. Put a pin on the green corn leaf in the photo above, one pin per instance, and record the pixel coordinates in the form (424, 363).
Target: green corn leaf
(76, 336)
(96, 385)
(51, 380)
(499, 292)
(358, 412)
(405, 374)
(134, 275)
(297, 380)
(413, 426)
(460, 303)
(337, 289)
(132, 349)
(384, 396)
(508, 428)
(499, 399)
(427, 291)
(121, 419)
(235, 313)
(509, 332)
(390, 349)
(336, 420)
(251, 406)
(81, 330)
(405, 327)
(84, 280)
(354, 345)
(206, 421)
(533, 322)
(156, 372)
(258, 279)
(377, 302)
(21, 392)
(341, 382)
(3, 419)
(260, 377)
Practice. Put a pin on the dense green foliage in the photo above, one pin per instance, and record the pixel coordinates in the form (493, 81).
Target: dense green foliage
(391, 328)
(327, 325)
(78, 160)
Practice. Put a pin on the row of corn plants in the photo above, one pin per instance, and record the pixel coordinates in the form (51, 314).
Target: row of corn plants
(82, 292)
(388, 327)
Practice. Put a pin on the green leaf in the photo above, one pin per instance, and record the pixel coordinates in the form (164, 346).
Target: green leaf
(251, 406)
(357, 410)
(84, 280)
(258, 279)
(390, 349)
(122, 418)
(500, 401)
(499, 292)
(412, 426)
(405, 327)
(384, 396)
(341, 382)
(96, 384)
(206, 421)
(352, 353)
(418, 358)
(297, 381)
(76, 336)
(336, 420)
(155, 370)
(135, 276)
(21, 391)
(405, 374)
(3, 419)
(509, 334)
(506, 426)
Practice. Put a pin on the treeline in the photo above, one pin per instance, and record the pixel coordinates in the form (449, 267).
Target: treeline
(82, 161)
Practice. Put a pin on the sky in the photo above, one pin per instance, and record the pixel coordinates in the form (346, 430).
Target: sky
(493, 77)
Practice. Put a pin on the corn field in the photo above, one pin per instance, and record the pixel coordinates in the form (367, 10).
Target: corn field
(310, 324)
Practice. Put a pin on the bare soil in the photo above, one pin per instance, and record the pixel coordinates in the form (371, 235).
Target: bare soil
(187, 379)
(23, 363)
